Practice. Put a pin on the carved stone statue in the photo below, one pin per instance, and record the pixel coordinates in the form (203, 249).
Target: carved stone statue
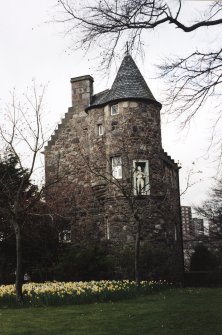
(140, 180)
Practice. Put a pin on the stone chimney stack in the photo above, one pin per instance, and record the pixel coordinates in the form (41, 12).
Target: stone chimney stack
(82, 90)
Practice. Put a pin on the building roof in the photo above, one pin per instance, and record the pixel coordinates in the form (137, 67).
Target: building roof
(128, 84)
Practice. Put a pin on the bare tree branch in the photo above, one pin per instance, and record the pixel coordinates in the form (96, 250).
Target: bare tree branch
(192, 80)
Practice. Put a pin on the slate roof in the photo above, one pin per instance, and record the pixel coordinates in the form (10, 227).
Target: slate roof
(128, 84)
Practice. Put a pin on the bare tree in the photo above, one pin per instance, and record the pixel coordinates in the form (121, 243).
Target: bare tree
(192, 80)
(211, 210)
(112, 21)
(189, 180)
(22, 134)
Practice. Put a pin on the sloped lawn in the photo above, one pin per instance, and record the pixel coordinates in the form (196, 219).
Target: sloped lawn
(175, 311)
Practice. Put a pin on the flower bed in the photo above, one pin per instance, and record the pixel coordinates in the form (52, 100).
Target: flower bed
(61, 293)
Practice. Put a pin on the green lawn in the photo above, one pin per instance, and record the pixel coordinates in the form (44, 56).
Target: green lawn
(178, 311)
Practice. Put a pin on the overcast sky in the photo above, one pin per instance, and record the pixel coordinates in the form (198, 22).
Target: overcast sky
(32, 47)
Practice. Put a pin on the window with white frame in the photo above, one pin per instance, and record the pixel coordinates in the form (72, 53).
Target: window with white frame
(116, 163)
(115, 109)
(100, 129)
(141, 184)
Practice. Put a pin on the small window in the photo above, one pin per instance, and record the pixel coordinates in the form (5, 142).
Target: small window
(114, 109)
(107, 229)
(116, 167)
(65, 236)
(100, 129)
(175, 233)
(114, 125)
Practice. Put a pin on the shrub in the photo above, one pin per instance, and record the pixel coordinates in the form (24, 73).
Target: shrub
(84, 263)
(203, 259)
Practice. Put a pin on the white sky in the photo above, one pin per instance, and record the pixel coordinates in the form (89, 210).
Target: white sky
(31, 47)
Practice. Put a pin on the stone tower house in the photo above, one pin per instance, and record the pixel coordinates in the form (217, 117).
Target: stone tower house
(116, 183)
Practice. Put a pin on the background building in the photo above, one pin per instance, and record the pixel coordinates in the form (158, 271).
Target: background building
(198, 227)
(193, 233)
(187, 226)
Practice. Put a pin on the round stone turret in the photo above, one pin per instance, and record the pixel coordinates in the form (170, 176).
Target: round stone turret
(129, 84)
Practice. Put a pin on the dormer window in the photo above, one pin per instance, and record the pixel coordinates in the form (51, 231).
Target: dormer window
(115, 109)
(100, 129)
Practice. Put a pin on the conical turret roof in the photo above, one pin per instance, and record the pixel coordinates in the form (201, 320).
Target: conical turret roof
(128, 84)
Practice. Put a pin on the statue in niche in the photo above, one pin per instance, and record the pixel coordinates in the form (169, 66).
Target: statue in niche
(140, 180)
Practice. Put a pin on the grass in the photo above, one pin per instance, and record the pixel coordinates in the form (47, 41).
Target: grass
(172, 312)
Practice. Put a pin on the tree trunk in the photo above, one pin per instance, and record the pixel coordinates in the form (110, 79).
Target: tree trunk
(137, 255)
(18, 280)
